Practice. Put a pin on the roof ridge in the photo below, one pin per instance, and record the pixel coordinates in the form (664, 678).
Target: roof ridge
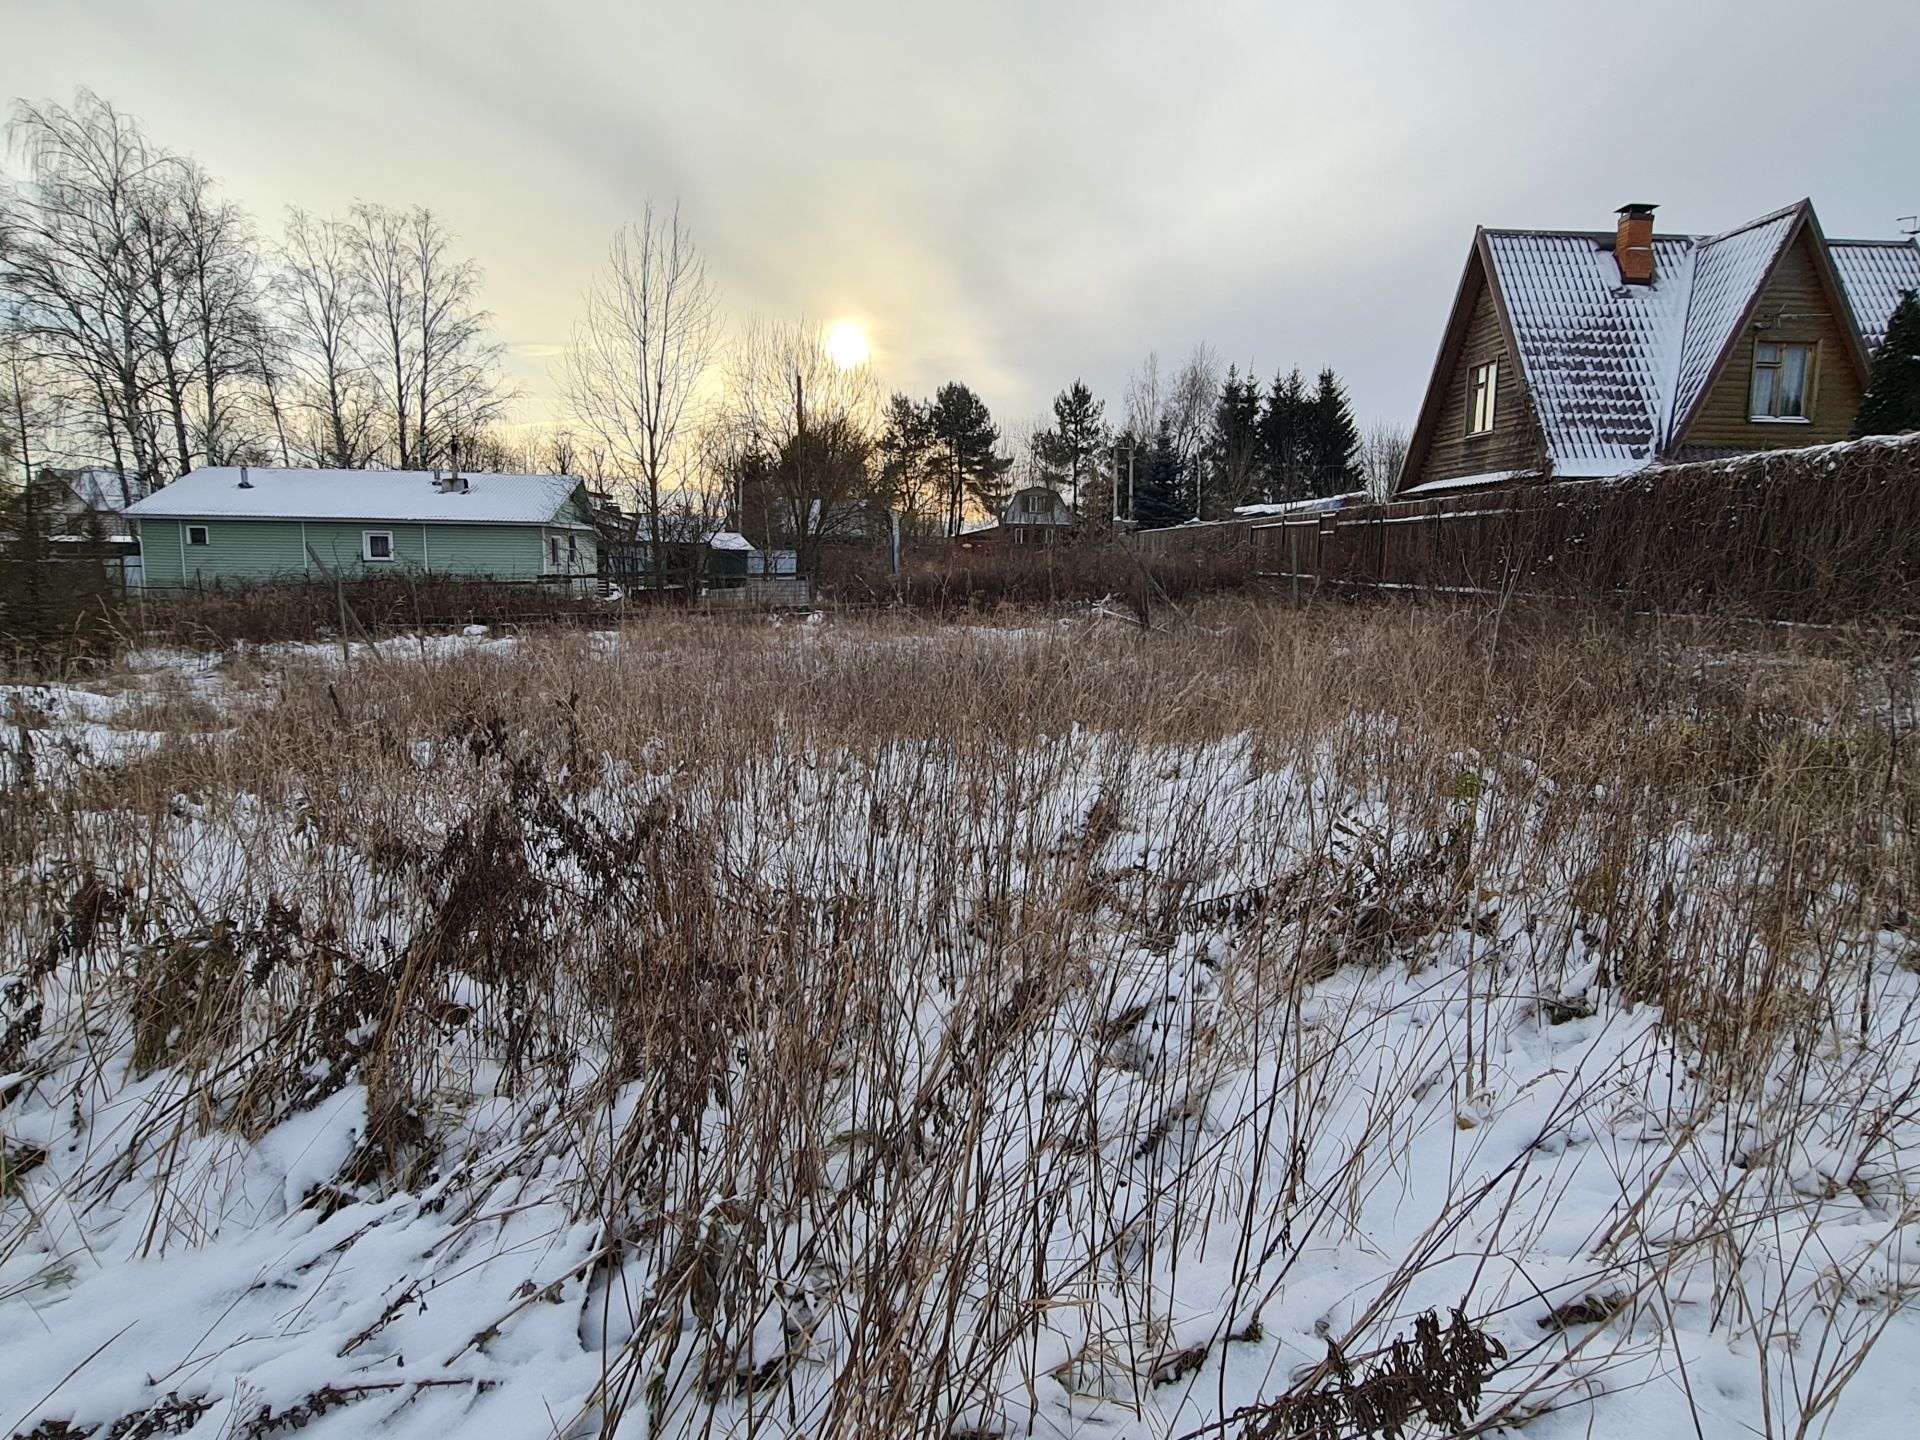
(1603, 237)
(1755, 224)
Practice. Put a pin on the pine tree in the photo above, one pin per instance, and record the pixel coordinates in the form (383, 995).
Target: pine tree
(1160, 491)
(1283, 438)
(1892, 402)
(907, 466)
(965, 440)
(1071, 450)
(1332, 439)
(1234, 449)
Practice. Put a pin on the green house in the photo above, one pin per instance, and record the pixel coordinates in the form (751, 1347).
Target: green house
(241, 525)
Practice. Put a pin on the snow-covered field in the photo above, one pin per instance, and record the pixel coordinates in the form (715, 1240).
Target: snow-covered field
(860, 1029)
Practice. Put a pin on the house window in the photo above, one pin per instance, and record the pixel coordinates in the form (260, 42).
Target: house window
(1782, 381)
(573, 552)
(553, 552)
(1482, 384)
(376, 544)
(196, 534)
(1036, 504)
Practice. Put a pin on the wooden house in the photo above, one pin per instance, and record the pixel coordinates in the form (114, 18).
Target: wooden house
(1032, 515)
(1582, 354)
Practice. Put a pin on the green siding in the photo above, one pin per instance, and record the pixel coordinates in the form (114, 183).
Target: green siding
(341, 543)
(236, 552)
(248, 552)
(506, 552)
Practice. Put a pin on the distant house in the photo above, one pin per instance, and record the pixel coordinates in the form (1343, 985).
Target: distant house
(85, 498)
(1033, 515)
(1588, 354)
(241, 525)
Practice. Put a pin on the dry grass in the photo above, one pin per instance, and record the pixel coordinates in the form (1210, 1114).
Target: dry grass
(935, 1030)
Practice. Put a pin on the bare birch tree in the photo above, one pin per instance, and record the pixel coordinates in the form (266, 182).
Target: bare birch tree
(633, 373)
(323, 312)
(1382, 454)
(71, 268)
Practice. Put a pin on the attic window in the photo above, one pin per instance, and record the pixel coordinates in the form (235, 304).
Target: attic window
(1782, 381)
(376, 544)
(1036, 504)
(196, 534)
(1483, 381)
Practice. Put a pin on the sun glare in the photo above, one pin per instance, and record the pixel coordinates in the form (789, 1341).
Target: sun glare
(847, 345)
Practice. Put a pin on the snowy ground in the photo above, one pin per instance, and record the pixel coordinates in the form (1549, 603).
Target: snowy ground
(503, 1067)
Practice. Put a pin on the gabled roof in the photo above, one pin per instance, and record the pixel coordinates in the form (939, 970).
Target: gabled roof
(390, 496)
(1728, 273)
(1616, 371)
(1875, 274)
(1598, 357)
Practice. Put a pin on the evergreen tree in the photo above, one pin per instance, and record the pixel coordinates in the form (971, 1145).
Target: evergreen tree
(56, 599)
(1332, 440)
(907, 464)
(1892, 402)
(965, 442)
(1234, 450)
(1283, 438)
(1071, 451)
(1161, 496)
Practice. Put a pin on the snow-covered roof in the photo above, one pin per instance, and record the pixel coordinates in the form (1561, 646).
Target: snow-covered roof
(1728, 271)
(1875, 273)
(1299, 507)
(1615, 370)
(1597, 355)
(396, 496)
(99, 489)
(730, 540)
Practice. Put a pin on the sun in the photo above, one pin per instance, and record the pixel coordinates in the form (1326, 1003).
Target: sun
(847, 346)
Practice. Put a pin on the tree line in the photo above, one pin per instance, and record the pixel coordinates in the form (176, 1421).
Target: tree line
(148, 325)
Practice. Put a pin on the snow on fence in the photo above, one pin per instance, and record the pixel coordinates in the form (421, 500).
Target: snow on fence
(1824, 534)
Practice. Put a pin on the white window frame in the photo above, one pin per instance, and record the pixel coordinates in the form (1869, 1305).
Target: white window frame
(200, 530)
(553, 552)
(367, 538)
(1776, 367)
(1483, 385)
(573, 552)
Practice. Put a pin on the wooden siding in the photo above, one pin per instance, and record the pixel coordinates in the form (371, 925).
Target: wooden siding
(1513, 443)
(1794, 307)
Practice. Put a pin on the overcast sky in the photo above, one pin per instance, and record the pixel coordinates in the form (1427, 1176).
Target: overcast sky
(1017, 194)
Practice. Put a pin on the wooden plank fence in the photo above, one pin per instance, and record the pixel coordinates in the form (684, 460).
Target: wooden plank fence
(1828, 534)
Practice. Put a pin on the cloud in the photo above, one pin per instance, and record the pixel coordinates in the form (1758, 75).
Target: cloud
(1014, 194)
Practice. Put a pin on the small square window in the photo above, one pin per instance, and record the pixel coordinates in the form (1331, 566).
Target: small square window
(196, 534)
(1483, 383)
(1782, 381)
(377, 544)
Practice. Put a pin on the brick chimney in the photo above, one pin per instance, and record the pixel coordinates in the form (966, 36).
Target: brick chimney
(1633, 244)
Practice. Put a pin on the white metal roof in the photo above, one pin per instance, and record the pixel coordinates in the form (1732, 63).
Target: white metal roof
(1598, 356)
(1875, 273)
(392, 496)
(1613, 368)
